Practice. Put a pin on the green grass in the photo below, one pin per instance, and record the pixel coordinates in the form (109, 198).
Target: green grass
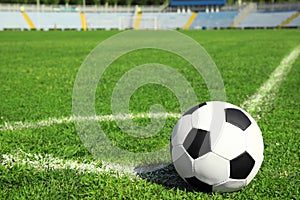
(37, 73)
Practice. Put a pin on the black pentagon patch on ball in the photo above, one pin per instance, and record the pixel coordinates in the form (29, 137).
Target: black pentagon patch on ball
(191, 110)
(197, 143)
(241, 166)
(237, 118)
(199, 185)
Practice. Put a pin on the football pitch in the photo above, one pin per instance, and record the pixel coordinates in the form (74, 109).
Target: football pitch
(42, 156)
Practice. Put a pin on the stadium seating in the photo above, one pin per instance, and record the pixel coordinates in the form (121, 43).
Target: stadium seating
(109, 20)
(167, 20)
(294, 23)
(126, 20)
(214, 20)
(261, 19)
(55, 20)
(12, 20)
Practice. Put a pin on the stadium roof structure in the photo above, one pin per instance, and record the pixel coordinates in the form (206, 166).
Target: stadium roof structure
(197, 2)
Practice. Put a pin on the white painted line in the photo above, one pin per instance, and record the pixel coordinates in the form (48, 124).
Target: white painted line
(52, 121)
(267, 92)
(49, 162)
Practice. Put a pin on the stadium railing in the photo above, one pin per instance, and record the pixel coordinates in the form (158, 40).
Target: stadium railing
(78, 8)
(279, 6)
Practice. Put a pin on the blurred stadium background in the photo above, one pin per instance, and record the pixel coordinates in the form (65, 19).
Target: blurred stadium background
(148, 14)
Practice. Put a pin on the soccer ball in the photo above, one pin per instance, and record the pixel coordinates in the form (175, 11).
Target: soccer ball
(217, 146)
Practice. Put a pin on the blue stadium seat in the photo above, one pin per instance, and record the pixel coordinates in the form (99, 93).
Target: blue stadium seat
(294, 23)
(12, 20)
(126, 20)
(109, 20)
(172, 20)
(261, 19)
(55, 20)
(214, 20)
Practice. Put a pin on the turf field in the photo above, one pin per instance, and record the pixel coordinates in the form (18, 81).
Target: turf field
(42, 157)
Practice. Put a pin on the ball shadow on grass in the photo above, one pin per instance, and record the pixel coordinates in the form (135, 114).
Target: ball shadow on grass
(165, 175)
